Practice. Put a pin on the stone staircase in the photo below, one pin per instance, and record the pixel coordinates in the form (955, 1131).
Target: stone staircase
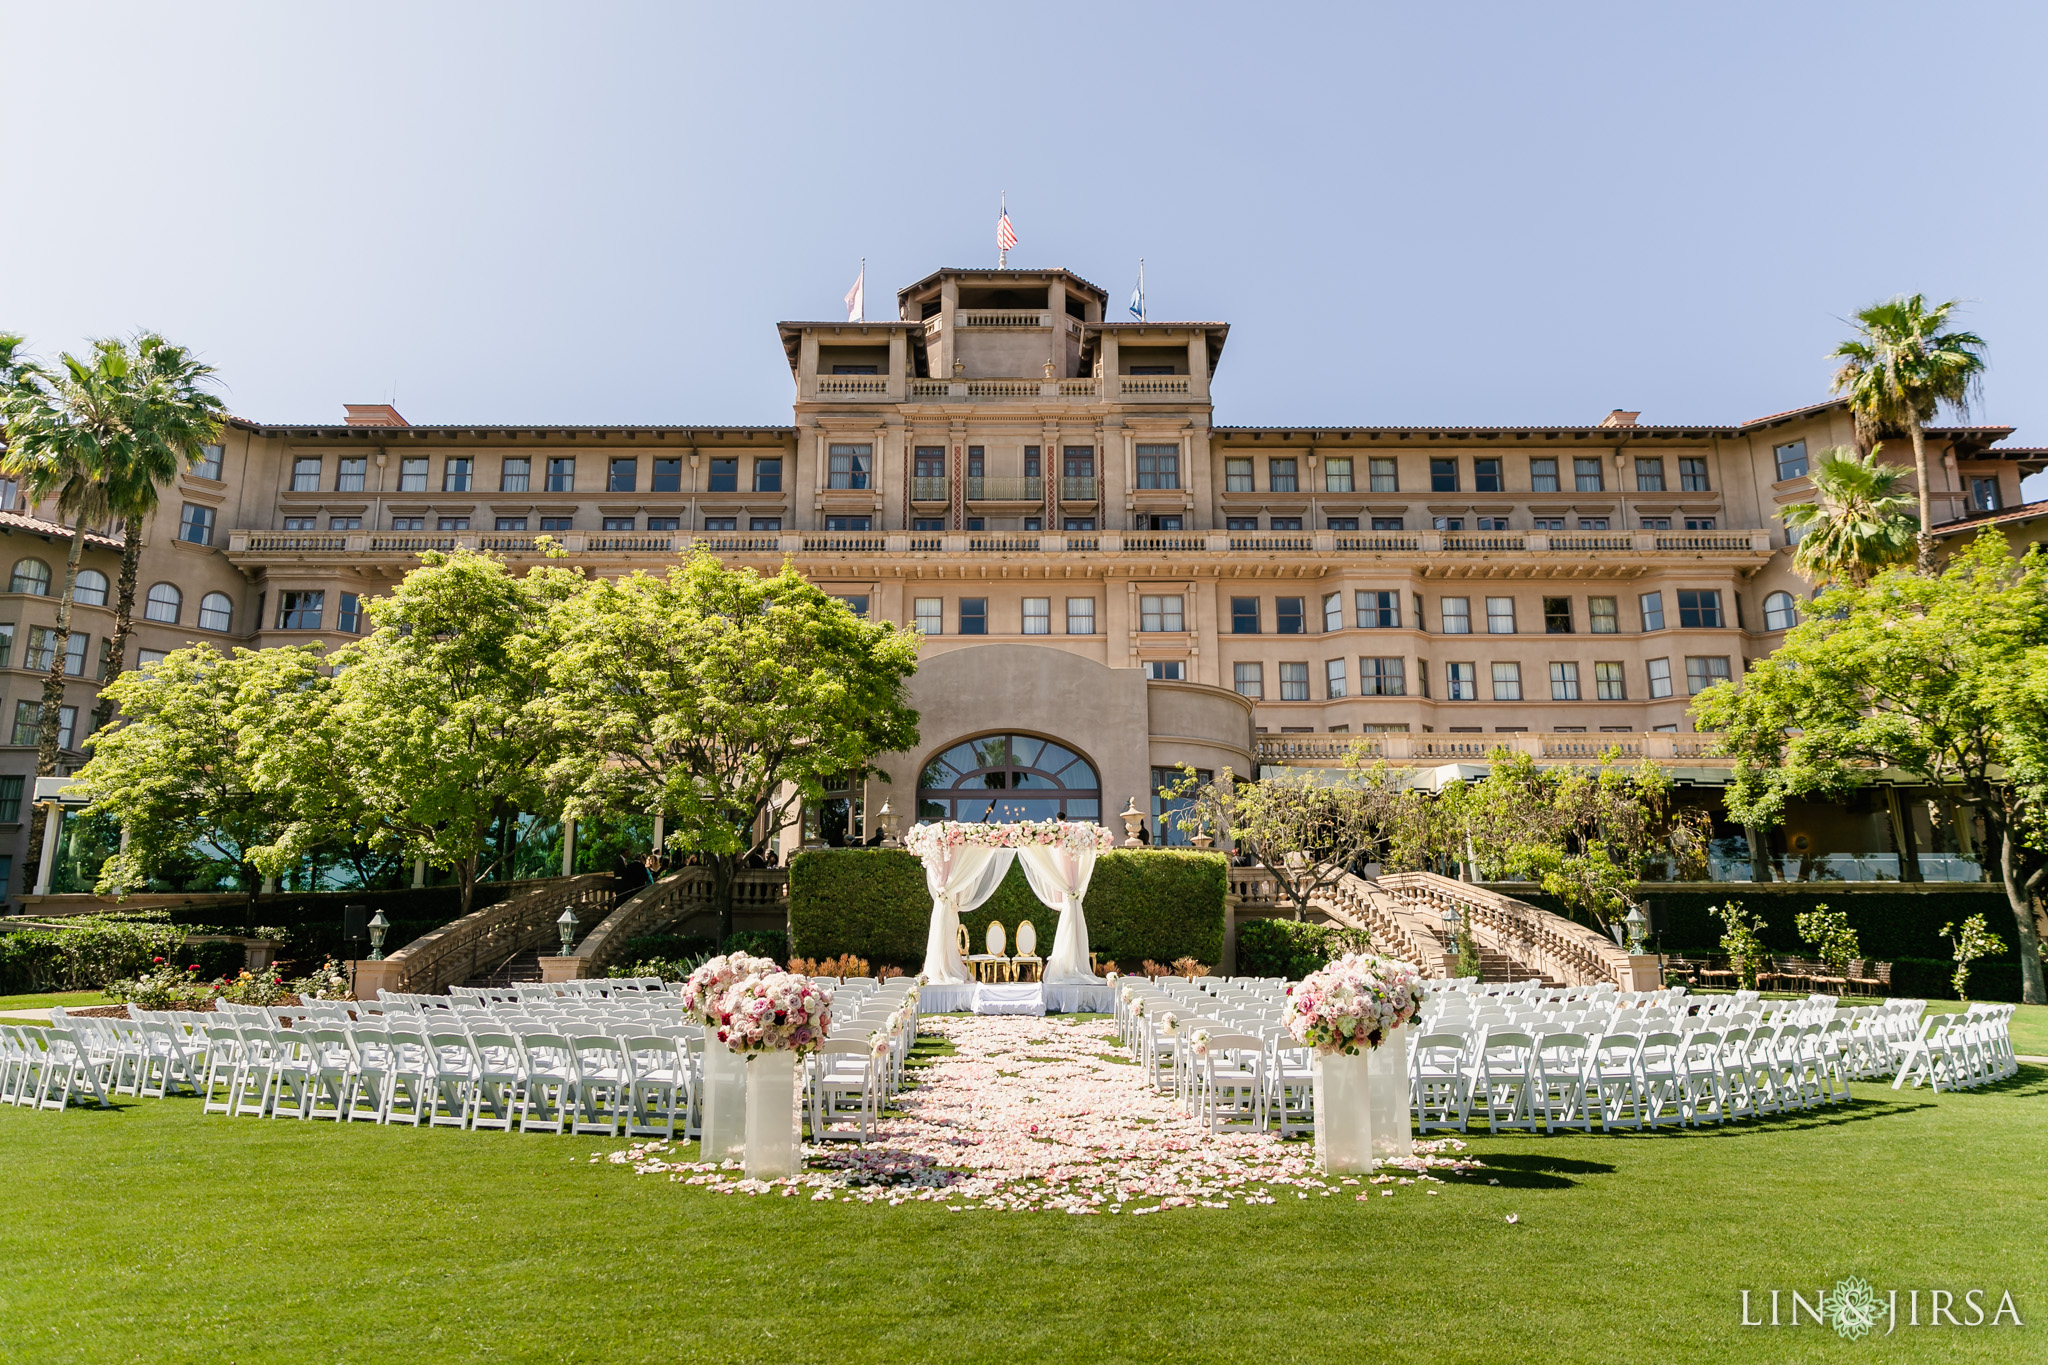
(1500, 967)
(521, 967)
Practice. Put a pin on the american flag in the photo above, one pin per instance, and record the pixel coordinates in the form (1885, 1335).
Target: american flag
(1006, 236)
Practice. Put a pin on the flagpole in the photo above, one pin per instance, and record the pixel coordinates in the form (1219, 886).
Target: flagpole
(863, 297)
(1143, 303)
(1002, 212)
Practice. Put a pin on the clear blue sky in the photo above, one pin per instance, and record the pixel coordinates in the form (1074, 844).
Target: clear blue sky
(1409, 213)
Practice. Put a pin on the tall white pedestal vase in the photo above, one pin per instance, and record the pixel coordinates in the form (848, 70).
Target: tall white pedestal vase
(1392, 1132)
(725, 1100)
(1343, 1101)
(773, 1148)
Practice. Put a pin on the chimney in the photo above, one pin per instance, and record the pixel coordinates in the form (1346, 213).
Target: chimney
(1617, 418)
(373, 415)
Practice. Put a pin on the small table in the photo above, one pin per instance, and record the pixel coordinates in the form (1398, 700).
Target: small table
(1003, 998)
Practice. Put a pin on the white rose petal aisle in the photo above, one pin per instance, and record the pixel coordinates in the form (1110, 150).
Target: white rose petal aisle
(1032, 1114)
(1347, 1012)
(725, 1073)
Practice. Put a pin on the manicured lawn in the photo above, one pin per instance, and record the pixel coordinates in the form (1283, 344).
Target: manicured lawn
(65, 998)
(2029, 1025)
(153, 1234)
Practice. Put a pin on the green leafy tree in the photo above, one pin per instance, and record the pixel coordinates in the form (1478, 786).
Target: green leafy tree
(1857, 524)
(1831, 936)
(180, 771)
(1898, 370)
(434, 726)
(718, 698)
(1976, 940)
(1939, 676)
(1742, 938)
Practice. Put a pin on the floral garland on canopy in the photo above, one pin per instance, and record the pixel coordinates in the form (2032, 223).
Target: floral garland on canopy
(1080, 836)
(1354, 1003)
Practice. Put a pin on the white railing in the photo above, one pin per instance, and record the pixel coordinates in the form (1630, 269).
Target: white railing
(852, 385)
(1153, 385)
(929, 388)
(1455, 541)
(1561, 949)
(1659, 746)
(295, 540)
(1240, 541)
(1003, 388)
(613, 543)
(1078, 388)
(1001, 317)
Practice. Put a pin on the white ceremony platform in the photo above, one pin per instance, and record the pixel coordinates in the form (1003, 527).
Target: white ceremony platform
(1021, 997)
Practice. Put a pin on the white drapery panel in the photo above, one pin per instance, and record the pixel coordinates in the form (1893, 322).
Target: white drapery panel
(959, 880)
(1059, 877)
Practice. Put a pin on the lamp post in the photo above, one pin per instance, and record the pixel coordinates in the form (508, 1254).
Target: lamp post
(378, 925)
(567, 924)
(1638, 924)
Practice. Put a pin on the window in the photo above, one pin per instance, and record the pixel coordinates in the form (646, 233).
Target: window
(1032, 465)
(1692, 476)
(724, 476)
(1333, 679)
(6, 646)
(350, 617)
(1463, 680)
(981, 523)
(1342, 523)
(1780, 611)
(1656, 523)
(1653, 610)
(1507, 682)
(1288, 616)
(90, 587)
(623, 476)
(1161, 613)
(928, 611)
(1984, 495)
(849, 523)
(1564, 682)
(1237, 476)
(753, 524)
(1280, 476)
(75, 645)
(1493, 523)
(1699, 609)
(710, 523)
(1388, 523)
(10, 798)
(1586, 476)
(1443, 476)
(1457, 615)
(1038, 616)
(1791, 460)
(1450, 523)
(344, 523)
(1378, 610)
(510, 524)
(1649, 475)
(1543, 476)
(300, 610)
(455, 476)
(306, 475)
(208, 465)
(1294, 682)
(1699, 523)
(1605, 613)
(626, 523)
(1284, 523)
(1701, 674)
(1009, 778)
(1608, 684)
(664, 523)
(1500, 616)
(420, 524)
(767, 475)
(300, 523)
(562, 475)
(849, 465)
(1486, 476)
(452, 524)
(1660, 677)
(1165, 670)
(974, 616)
(1557, 616)
(1249, 679)
(1240, 523)
(1078, 462)
(1333, 611)
(163, 603)
(857, 603)
(216, 612)
(1080, 616)
(1077, 523)
(556, 523)
(1034, 523)
(42, 647)
(513, 475)
(145, 657)
(1158, 466)
(668, 476)
(1337, 474)
(1244, 616)
(928, 524)
(1385, 474)
(1592, 523)
(1417, 600)
(1382, 678)
(195, 524)
(412, 474)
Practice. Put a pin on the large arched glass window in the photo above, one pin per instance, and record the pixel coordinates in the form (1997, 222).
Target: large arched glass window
(90, 588)
(30, 575)
(1780, 611)
(216, 612)
(1006, 778)
(164, 603)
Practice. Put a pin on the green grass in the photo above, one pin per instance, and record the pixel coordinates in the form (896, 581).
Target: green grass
(2029, 1024)
(66, 998)
(153, 1234)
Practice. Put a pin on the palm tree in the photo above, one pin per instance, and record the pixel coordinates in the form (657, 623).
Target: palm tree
(66, 429)
(1858, 524)
(1897, 373)
(175, 418)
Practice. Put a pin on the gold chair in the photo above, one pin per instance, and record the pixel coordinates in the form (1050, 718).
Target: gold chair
(1027, 963)
(999, 966)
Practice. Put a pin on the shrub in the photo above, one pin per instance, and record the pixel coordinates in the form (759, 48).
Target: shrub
(1158, 903)
(166, 988)
(215, 960)
(667, 968)
(1293, 948)
(1933, 978)
(328, 982)
(266, 987)
(85, 955)
(668, 947)
(772, 943)
(1830, 935)
(846, 964)
(1742, 940)
(1975, 941)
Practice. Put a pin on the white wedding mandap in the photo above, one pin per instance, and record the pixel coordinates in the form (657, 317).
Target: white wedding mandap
(963, 866)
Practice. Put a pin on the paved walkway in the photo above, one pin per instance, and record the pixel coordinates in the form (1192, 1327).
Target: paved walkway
(41, 1016)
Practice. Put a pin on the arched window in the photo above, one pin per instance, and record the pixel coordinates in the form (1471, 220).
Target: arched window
(30, 575)
(165, 601)
(1780, 611)
(91, 588)
(1006, 778)
(216, 612)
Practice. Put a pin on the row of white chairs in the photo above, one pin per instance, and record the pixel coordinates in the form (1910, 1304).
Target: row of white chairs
(1961, 1051)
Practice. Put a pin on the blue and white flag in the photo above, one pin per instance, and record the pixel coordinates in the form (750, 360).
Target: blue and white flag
(1138, 295)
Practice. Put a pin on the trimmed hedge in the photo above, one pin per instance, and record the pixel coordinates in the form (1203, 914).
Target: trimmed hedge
(1293, 948)
(1934, 979)
(1142, 903)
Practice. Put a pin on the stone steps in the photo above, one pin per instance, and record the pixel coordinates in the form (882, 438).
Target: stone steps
(525, 967)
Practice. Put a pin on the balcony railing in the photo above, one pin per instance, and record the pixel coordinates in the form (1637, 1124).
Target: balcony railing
(930, 488)
(1001, 390)
(1030, 488)
(1316, 750)
(1002, 317)
(1153, 385)
(1083, 489)
(852, 385)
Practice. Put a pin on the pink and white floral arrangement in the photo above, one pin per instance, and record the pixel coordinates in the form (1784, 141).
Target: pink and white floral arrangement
(776, 1012)
(701, 993)
(1354, 1003)
(1079, 836)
